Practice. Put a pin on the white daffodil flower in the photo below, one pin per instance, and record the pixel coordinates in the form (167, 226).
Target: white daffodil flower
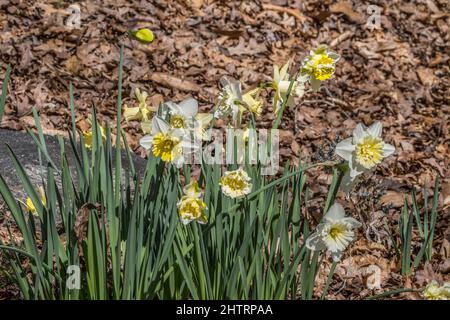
(191, 207)
(334, 233)
(319, 66)
(236, 184)
(142, 112)
(364, 150)
(253, 102)
(230, 100)
(281, 85)
(201, 124)
(182, 114)
(170, 144)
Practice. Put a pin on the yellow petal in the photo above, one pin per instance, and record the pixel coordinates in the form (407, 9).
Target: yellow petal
(132, 113)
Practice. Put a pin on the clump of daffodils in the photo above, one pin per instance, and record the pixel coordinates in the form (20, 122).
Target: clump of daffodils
(334, 233)
(191, 207)
(166, 142)
(364, 151)
(31, 208)
(319, 66)
(434, 291)
(236, 184)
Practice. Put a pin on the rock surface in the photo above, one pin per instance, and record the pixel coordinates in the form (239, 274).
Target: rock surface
(26, 151)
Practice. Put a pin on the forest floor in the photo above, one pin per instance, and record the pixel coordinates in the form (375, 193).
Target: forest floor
(398, 73)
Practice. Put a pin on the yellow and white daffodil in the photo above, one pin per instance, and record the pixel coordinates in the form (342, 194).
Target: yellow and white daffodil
(236, 184)
(167, 143)
(181, 115)
(334, 233)
(364, 150)
(140, 113)
(434, 291)
(281, 84)
(230, 100)
(191, 207)
(30, 205)
(185, 116)
(319, 66)
(252, 101)
(88, 135)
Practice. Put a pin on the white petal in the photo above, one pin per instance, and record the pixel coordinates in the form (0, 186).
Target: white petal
(355, 168)
(353, 222)
(178, 162)
(276, 74)
(345, 148)
(173, 107)
(185, 221)
(159, 125)
(336, 256)
(375, 129)
(346, 183)
(388, 149)
(236, 88)
(359, 132)
(315, 243)
(146, 142)
(189, 107)
(336, 212)
(334, 56)
(224, 82)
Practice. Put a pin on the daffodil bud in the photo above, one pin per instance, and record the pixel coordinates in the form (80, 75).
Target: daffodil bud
(143, 35)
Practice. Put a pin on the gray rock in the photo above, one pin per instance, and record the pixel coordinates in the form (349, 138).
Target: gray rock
(26, 151)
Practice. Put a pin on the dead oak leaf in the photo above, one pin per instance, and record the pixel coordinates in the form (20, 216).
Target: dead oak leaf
(346, 8)
(394, 198)
(426, 76)
(174, 82)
